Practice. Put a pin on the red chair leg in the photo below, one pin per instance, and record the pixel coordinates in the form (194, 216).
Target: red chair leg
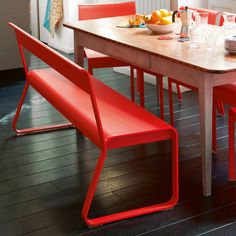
(140, 81)
(35, 129)
(232, 118)
(170, 101)
(132, 83)
(135, 212)
(138, 85)
(220, 107)
(159, 83)
(90, 68)
(214, 143)
(180, 97)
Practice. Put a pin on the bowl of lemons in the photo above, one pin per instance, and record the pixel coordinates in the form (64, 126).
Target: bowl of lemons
(160, 21)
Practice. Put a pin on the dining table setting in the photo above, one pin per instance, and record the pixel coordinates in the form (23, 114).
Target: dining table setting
(180, 45)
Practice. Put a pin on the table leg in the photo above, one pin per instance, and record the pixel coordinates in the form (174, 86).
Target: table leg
(205, 106)
(78, 50)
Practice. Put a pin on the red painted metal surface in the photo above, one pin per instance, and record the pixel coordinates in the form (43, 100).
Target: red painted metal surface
(102, 10)
(107, 118)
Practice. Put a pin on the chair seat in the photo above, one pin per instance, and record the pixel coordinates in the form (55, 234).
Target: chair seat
(120, 118)
(226, 93)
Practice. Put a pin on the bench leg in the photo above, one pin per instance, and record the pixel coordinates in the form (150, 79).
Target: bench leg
(93, 222)
(35, 129)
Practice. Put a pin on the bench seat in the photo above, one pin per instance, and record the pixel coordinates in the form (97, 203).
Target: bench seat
(120, 117)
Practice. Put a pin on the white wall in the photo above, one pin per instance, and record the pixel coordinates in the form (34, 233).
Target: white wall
(18, 13)
(193, 3)
(34, 18)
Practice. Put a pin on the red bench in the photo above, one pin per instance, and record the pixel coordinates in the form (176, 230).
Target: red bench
(107, 118)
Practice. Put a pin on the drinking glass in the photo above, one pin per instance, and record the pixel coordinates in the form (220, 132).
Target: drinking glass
(229, 20)
(211, 36)
(195, 36)
(203, 18)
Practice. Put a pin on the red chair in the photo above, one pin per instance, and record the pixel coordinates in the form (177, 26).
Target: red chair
(159, 83)
(98, 60)
(226, 93)
(107, 118)
(96, 11)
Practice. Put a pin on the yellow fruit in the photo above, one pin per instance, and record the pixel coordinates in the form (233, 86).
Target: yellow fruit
(170, 13)
(134, 22)
(137, 23)
(156, 15)
(139, 17)
(164, 12)
(165, 21)
(157, 22)
(153, 21)
(131, 22)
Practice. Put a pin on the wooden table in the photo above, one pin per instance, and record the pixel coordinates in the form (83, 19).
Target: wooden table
(138, 46)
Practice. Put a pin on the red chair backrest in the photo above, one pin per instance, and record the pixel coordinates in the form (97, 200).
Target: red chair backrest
(212, 14)
(103, 10)
(76, 74)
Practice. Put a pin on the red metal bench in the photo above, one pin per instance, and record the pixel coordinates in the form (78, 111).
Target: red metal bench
(107, 118)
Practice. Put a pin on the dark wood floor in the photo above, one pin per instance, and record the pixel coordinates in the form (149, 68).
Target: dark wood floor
(44, 177)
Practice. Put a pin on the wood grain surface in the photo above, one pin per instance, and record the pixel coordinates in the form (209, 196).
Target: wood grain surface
(217, 61)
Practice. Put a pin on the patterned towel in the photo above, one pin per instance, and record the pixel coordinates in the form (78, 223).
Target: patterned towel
(46, 22)
(56, 15)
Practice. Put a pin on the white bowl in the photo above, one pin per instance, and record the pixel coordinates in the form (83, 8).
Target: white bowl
(160, 29)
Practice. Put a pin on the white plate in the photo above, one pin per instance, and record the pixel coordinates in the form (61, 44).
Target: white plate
(160, 29)
(230, 51)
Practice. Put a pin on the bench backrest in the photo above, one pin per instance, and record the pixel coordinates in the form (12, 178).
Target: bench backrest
(76, 74)
(95, 11)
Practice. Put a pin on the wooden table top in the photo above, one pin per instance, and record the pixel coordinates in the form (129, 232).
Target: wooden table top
(217, 61)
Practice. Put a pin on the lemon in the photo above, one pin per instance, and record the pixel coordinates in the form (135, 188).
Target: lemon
(165, 21)
(164, 12)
